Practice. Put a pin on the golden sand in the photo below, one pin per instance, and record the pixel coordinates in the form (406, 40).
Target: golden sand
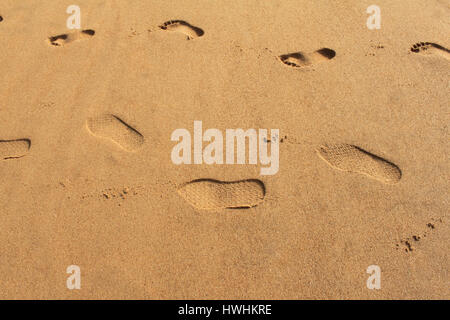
(87, 179)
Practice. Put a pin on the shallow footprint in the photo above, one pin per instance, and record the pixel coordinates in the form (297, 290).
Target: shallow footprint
(428, 48)
(299, 59)
(13, 149)
(351, 158)
(183, 27)
(62, 39)
(208, 194)
(110, 127)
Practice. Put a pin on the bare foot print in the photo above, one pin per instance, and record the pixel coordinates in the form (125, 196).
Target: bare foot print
(351, 158)
(183, 27)
(13, 149)
(428, 48)
(208, 194)
(63, 39)
(300, 59)
(110, 127)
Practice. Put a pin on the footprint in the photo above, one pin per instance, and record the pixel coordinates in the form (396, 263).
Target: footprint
(63, 39)
(351, 158)
(13, 149)
(299, 59)
(182, 26)
(428, 48)
(210, 194)
(110, 127)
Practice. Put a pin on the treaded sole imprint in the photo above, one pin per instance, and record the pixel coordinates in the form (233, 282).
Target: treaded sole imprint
(351, 158)
(208, 194)
(12, 149)
(108, 126)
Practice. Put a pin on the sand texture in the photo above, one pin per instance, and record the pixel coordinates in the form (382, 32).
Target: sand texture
(87, 178)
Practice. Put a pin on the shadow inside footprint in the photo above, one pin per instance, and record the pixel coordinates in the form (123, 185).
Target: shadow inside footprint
(89, 32)
(54, 39)
(327, 53)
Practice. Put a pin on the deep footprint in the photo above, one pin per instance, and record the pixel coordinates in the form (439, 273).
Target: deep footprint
(183, 27)
(351, 158)
(429, 48)
(299, 59)
(208, 194)
(62, 39)
(110, 127)
(13, 149)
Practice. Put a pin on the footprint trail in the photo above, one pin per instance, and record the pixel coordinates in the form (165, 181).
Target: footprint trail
(13, 149)
(63, 39)
(110, 127)
(351, 158)
(300, 59)
(183, 27)
(208, 194)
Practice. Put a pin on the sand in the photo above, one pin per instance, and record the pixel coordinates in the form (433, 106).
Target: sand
(86, 118)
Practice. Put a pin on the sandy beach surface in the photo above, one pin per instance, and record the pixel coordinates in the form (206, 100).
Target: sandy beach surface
(87, 177)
